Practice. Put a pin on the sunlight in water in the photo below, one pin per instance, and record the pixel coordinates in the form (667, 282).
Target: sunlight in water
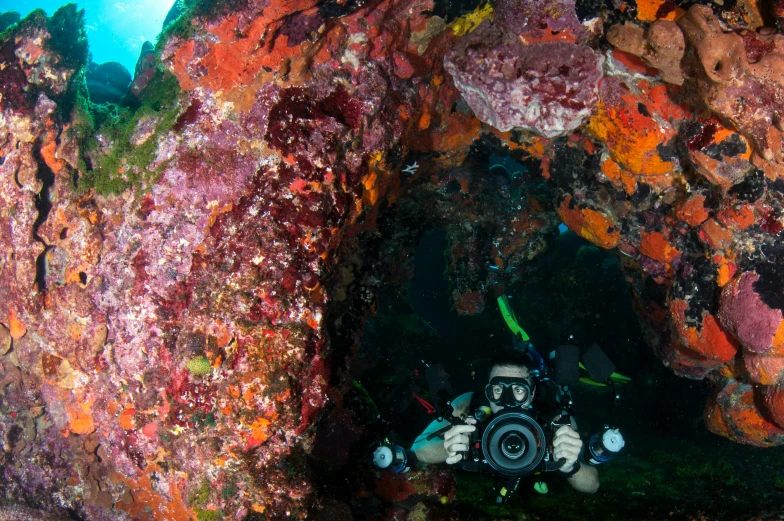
(116, 30)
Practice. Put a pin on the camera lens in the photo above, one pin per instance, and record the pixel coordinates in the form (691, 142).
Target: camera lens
(513, 443)
(512, 446)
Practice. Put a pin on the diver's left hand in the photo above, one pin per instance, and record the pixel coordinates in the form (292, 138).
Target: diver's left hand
(567, 445)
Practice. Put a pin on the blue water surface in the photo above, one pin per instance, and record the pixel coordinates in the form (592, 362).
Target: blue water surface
(116, 30)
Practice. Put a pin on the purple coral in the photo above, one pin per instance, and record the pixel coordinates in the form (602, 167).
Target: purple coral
(548, 88)
(532, 17)
(747, 316)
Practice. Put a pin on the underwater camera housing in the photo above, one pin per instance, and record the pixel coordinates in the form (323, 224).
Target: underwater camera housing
(513, 443)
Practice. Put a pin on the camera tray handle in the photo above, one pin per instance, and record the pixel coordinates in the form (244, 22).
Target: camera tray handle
(448, 409)
(554, 465)
(468, 463)
(559, 420)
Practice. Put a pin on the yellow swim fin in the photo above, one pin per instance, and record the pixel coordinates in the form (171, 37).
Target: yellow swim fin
(615, 377)
(619, 378)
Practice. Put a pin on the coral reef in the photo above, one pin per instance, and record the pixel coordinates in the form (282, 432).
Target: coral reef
(184, 278)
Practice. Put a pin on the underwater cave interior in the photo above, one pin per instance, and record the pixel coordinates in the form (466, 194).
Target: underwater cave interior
(570, 292)
(223, 276)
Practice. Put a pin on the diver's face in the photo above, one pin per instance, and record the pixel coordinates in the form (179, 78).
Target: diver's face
(512, 372)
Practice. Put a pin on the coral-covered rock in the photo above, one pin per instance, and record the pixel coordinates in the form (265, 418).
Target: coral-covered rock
(639, 130)
(747, 312)
(707, 339)
(593, 225)
(734, 414)
(414, 486)
(469, 303)
(144, 70)
(740, 78)
(656, 246)
(774, 402)
(660, 46)
(692, 211)
(720, 154)
(181, 286)
(777, 8)
(764, 369)
(526, 18)
(548, 87)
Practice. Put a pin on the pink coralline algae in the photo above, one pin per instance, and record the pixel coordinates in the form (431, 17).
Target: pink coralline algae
(528, 19)
(548, 86)
(745, 315)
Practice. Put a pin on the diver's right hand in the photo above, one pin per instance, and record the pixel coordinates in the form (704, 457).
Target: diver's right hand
(456, 441)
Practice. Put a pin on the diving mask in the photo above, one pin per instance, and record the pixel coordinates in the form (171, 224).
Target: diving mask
(508, 392)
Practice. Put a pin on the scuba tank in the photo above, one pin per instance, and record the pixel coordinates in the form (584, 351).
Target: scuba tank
(604, 446)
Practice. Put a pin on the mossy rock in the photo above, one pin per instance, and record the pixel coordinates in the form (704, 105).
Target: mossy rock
(127, 165)
(201, 496)
(199, 366)
(209, 515)
(68, 37)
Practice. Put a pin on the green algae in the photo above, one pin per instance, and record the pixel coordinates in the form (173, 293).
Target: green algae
(229, 491)
(68, 36)
(184, 28)
(199, 366)
(36, 18)
(473, 494)
(128, 165)
(201, 495)
(11, 27)
(364, 395)
(200, 420)
(654, 481)
(8, 19)
(208, 515)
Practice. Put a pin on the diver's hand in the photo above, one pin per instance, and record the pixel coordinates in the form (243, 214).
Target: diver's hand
(567, 445)
(456, 441)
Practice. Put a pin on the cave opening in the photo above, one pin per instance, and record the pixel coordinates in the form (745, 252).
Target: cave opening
(563, 289)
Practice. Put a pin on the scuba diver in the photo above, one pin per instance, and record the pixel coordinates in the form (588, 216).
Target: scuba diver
(511, 386)
(520, 422)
